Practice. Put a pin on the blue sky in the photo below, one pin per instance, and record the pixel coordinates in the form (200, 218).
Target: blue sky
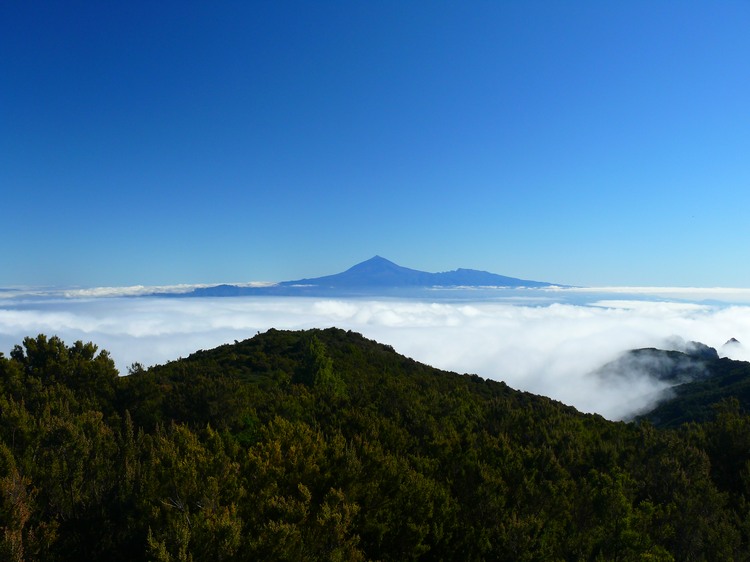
(587, 143)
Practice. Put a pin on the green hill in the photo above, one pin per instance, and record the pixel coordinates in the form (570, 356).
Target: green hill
(323, 445)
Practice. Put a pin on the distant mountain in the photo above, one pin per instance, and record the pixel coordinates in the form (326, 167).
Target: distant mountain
(380, 272)
(374, 276)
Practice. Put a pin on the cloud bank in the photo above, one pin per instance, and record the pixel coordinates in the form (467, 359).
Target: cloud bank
(550, 349)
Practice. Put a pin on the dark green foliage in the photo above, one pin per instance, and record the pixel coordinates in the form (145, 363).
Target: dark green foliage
(323, 445)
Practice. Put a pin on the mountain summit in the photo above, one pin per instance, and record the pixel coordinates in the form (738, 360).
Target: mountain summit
(374, 276)
(375, 272)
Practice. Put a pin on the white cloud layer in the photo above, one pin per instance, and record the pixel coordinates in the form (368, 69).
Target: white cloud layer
(548, 349)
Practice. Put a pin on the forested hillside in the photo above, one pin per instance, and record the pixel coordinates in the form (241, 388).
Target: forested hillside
(322, 445)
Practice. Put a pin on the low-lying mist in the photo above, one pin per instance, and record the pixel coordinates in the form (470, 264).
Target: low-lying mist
(550, 349)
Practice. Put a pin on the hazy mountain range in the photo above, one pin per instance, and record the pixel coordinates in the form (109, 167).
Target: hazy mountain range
(373, 277)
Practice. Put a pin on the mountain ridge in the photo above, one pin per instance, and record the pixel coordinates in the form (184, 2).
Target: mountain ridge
(696, 380)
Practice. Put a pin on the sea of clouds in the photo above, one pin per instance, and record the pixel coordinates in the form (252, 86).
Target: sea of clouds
(547, 342)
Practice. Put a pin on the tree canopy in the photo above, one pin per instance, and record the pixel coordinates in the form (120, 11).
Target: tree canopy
(323, 445)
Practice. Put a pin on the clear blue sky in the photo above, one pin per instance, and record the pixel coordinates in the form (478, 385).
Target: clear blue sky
(589, 143)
